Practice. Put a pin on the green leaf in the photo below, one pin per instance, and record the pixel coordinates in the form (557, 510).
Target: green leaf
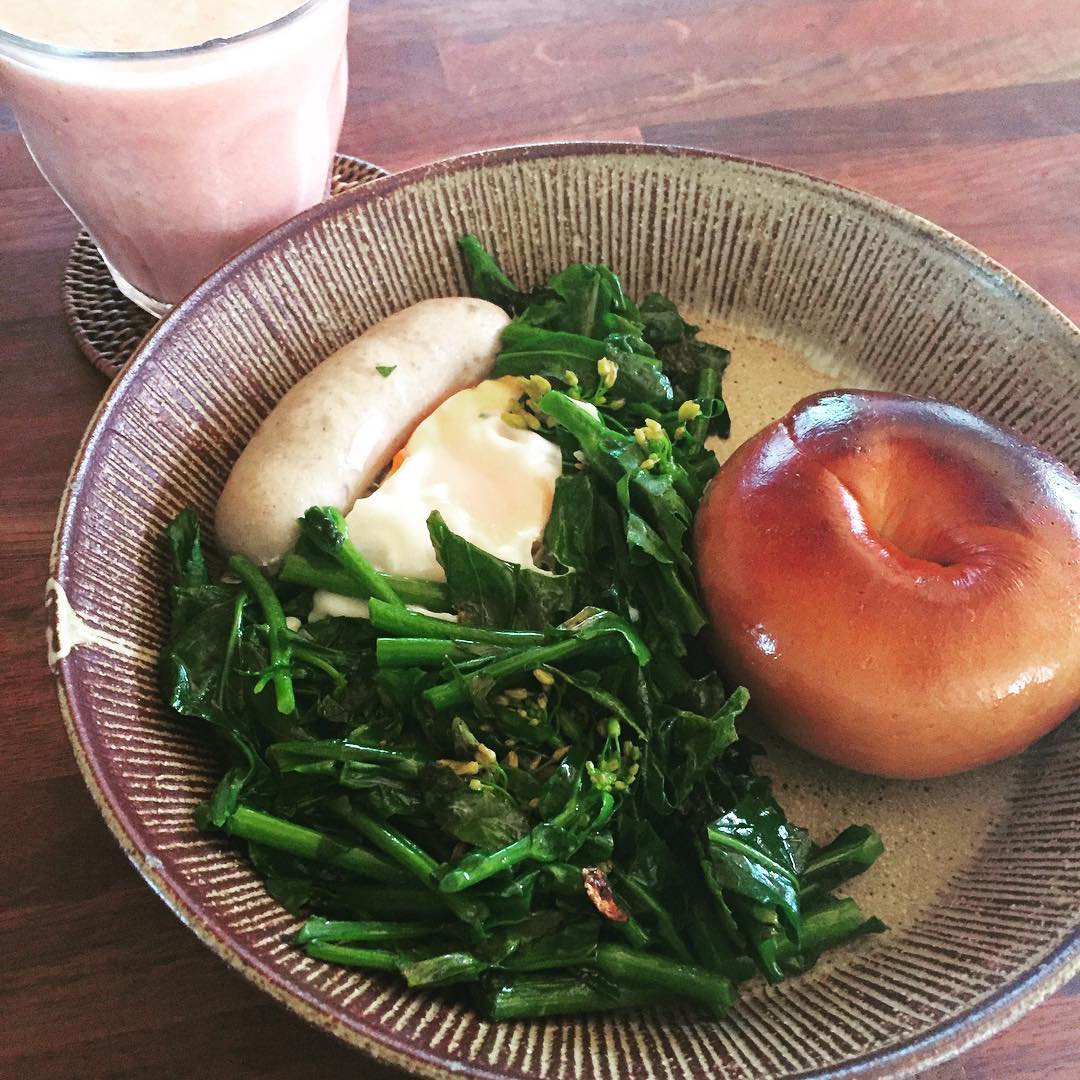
(489, 818)
(663, 325)
(591, 624)
(696, 742)
(386, 370)
(487, 591)
(183, 536)
(569, 533)
(555, 947)
(487, 280)
(758, 854)
(532, 350)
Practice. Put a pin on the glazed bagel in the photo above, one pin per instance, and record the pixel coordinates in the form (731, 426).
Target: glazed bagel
(897, 582)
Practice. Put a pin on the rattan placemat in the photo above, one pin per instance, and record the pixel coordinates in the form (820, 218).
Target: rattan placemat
(106, 324)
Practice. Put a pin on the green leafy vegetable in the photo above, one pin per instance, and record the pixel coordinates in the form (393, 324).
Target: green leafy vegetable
(536, 785)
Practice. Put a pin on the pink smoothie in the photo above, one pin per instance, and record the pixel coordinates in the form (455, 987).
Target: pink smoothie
(174, 162)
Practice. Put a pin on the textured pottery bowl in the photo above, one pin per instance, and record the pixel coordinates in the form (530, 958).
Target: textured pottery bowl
(981, 877)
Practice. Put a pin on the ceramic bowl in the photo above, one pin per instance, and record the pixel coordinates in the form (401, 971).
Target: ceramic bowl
(981, 877)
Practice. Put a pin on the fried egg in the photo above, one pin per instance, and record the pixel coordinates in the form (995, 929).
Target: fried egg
(493, 482)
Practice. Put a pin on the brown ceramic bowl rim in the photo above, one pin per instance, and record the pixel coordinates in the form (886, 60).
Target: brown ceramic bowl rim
(943, 1041)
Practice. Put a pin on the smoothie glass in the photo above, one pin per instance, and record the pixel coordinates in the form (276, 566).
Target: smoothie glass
(176, 159)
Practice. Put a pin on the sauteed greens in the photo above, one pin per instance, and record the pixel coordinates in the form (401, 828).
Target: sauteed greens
(548, 798)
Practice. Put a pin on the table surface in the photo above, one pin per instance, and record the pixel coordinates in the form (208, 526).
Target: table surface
(965, 111)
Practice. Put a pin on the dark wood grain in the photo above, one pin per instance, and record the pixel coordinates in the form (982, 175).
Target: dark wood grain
(966, 111)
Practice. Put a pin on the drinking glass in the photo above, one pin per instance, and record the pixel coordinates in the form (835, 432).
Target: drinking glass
(176, 159)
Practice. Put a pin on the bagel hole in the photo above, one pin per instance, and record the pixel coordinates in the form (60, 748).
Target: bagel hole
(916, 535)
(912, 527)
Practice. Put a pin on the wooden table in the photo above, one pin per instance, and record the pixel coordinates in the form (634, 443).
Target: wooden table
(966, 111)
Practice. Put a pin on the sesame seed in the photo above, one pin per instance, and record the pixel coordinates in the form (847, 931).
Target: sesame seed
(689, 410)
(544, 678)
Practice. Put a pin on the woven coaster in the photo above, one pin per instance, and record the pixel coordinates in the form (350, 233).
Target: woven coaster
(106, 324)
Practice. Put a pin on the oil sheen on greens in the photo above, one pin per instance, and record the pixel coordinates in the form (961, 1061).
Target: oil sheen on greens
(546, 801)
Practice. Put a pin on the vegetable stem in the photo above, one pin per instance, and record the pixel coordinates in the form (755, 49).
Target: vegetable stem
(350, 956)
(326, 529)
(664, 923)
(280, 650)
(480, 865)
(337, 930)
(230, 647)
(390, 841)
(407, 763)
(297, 570)
(444, 970)
(307, 656)
(393, 619)
(526, 997)
(428, 652)
(447, 695)
(274, 832)
(712, 990)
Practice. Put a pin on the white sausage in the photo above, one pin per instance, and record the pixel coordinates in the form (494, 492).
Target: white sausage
(331, 435)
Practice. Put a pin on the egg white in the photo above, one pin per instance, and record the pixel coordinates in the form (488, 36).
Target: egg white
(492, 482)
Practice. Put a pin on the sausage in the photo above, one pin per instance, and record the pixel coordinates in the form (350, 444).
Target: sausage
(334, 432)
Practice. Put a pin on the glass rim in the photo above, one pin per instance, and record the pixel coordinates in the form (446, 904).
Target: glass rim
(64, 52)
